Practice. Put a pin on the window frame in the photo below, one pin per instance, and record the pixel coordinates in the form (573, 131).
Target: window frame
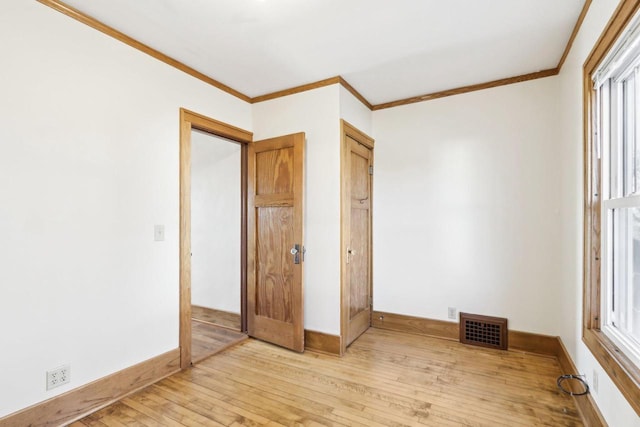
(616, 100)
(623, 372)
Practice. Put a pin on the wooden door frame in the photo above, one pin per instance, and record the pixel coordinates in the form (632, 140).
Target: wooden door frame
(348, 130)
(188, 121)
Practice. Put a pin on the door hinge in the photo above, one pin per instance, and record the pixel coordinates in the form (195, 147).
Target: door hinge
(370, 170)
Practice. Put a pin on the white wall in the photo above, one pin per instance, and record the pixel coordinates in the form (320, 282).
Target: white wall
(215, 222)
(317, 114)
(465, 206)
(610, 401)
(88, 164)
(355, 112)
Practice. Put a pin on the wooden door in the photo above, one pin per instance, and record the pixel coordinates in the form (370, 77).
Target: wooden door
(356, 231)
(275, 241)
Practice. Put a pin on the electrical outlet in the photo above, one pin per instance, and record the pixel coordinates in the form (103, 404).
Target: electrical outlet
(594, 381)
(58, 377)
(451, 312)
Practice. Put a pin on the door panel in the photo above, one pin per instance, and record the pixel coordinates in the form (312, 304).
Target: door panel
(275, 273)
(275, 171)
(358, 229)
(275, 207)
(358, 266)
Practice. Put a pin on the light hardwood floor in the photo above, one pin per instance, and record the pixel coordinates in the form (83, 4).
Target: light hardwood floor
(216, 317)
(385, 379)
(208, 339)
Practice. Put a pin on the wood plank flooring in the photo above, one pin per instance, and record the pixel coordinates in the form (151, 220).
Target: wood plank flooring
(208, 339)
(217, 317)
(385, 379)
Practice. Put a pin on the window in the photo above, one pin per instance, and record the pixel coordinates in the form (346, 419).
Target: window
(616, 134)
(612, 195)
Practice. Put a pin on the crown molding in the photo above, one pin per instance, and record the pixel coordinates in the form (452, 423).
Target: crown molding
(112, 32)
(355, 93)
(467, 89)
(302, 88)
(315, 85)
(574, 33)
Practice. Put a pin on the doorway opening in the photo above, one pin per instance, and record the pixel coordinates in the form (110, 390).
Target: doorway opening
(216, 249)
(213, 236)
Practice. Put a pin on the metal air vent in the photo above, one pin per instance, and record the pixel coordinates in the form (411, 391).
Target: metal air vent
(484, 331)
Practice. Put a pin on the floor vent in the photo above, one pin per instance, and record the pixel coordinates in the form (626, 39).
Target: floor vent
(484, 331)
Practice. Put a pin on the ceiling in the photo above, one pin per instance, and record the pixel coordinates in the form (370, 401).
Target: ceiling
(387, 50)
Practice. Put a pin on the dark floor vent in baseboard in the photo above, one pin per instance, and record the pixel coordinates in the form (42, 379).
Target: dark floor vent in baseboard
(484, 331)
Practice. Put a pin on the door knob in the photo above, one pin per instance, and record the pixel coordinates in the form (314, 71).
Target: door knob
(295, 251)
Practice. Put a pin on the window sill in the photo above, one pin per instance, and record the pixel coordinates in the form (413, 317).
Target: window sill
(620, 369)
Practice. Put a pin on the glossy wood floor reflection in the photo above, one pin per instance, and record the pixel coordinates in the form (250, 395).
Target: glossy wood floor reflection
(385, 379)
(208, 339)
(216, 317)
